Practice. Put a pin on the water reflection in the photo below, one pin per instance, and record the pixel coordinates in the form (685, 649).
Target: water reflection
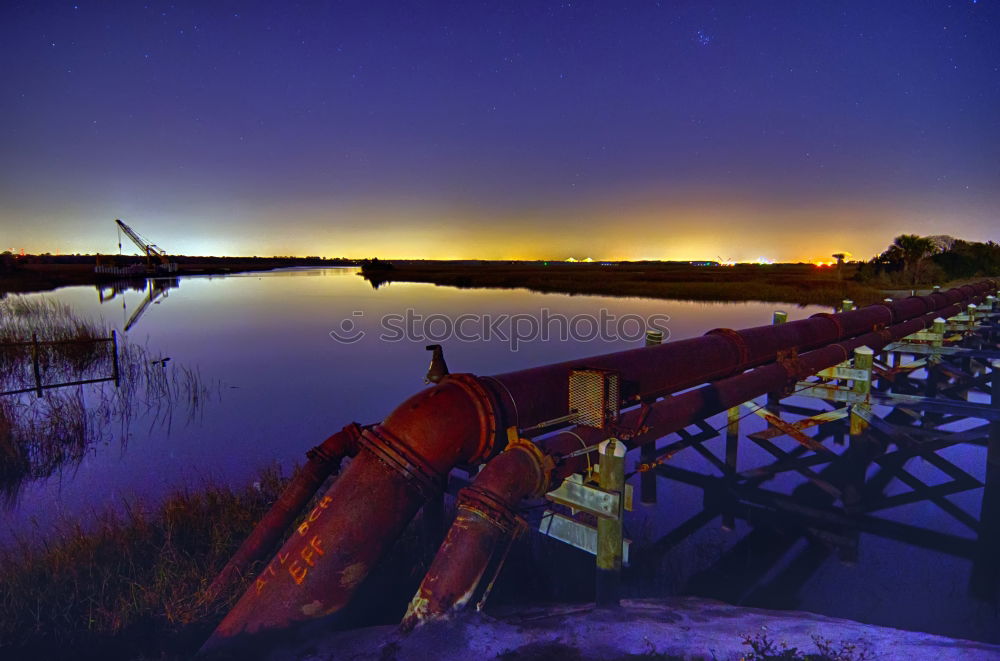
(68, 384)
(155, 289)
(286, 383)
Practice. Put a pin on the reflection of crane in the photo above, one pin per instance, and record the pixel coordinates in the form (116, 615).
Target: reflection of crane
(151, 250)
(157, 288)
(118, 287)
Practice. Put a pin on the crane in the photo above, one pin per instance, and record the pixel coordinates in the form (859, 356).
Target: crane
(152, 251)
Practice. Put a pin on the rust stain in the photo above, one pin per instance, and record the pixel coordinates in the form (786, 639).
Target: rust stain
(353, 574)
(313, 608)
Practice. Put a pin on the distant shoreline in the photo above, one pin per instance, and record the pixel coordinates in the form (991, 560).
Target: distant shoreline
(39, 277)
(796, 284)
(792, 284)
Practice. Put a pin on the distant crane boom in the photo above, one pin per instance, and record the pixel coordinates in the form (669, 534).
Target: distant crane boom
(149, 249)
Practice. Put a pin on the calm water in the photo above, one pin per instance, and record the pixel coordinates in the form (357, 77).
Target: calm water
(282, 384)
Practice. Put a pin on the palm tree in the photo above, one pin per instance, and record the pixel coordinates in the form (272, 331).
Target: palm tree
(913, 249)
(840, 257)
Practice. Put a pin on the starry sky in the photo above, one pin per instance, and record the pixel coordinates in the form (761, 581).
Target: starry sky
(626, 129)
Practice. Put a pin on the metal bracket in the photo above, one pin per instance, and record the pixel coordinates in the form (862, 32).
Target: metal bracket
(575, 494)
(576, 534)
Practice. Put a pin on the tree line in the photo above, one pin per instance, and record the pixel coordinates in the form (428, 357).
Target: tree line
(912, 259)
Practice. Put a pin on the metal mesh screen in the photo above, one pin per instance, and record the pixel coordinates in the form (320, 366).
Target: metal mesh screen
(593, 394)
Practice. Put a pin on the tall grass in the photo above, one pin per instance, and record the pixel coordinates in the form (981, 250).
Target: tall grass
(130, 584)
(41, 435)
(801, 284)
(22, 318)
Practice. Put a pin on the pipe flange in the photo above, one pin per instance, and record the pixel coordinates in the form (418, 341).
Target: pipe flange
(393, 453)
(829, 316)
(487, 506)
(544, 463)
(324, 456)
(487, 411)
(737, 341)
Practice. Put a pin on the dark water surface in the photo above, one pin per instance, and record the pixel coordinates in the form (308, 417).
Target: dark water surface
(281, 384)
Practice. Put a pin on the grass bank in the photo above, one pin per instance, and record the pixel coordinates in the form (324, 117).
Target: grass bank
(800, 284)
(129, 585)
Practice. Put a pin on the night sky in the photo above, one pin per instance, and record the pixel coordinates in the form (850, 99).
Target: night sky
(616, 129)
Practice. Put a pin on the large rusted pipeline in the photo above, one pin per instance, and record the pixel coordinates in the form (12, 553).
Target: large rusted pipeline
(322, 461)
(486, 521)
(401, 463)
(532, 396)
(404, 460)
(488, 507)
(676, 412)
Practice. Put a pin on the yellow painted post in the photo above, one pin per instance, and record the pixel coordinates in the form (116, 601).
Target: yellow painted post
(647, 452)
(937, 327)
(732, 450)
(894, 356)
(863, 358)
(846, 305)
(609, 531)
(779, 317)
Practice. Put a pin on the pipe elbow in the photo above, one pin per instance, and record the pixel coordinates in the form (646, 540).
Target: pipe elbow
(487, 516)
(452, 423)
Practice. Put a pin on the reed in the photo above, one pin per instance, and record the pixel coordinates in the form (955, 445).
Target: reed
(42, 435)
(130, 583)
(79, 349)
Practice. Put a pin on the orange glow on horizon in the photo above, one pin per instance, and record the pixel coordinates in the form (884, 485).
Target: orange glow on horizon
(684, 227)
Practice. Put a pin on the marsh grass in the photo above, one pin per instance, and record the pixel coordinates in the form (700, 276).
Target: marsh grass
(79, 350)
(129, 584)
(801, 284)
(41, 435)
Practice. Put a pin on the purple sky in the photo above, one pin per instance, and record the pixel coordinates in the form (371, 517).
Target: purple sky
(634, 129)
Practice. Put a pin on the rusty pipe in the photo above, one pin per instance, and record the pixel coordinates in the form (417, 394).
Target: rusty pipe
(322, 461)
(402, 462)
(486, 521)
(535, 395)
(673, 413)
(488, 508)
